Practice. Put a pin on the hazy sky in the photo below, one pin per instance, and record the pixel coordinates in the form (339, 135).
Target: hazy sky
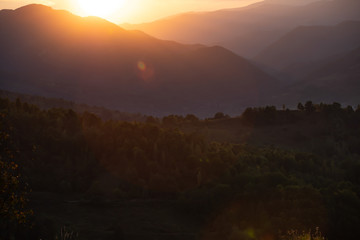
(137, 11)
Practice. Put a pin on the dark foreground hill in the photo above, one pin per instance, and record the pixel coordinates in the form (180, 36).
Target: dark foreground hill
(56, 54)
(249, 177)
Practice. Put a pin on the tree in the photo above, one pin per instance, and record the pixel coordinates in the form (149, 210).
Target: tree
(90, 119)
(349, 109)
(220, 115)
(309, 107)
(151, 120)
(191, 118)
(171, 120)
(13, 190)
(300, 107)
(249, 115)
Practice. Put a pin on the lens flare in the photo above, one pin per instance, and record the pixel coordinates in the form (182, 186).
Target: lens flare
(145, 71)
(141, 66)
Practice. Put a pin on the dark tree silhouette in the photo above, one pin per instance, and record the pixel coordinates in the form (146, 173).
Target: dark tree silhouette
(13, 191)
(309, 107)
(300, 107)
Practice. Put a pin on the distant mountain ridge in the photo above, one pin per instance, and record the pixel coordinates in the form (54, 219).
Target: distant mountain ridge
(307, 45)
(53, 53)
(337, 80)
(248, 30)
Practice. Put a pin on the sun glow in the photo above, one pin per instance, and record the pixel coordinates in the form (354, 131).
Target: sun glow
(100, 8)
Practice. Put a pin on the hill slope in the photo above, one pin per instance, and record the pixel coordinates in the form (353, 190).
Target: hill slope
(310, 44)
(250, 29)
(337, 80)
(57, 54)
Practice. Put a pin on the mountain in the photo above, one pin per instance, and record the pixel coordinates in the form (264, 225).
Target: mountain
(291, 2)
(337, 80)
(248, 30)
(53, 53)
(306, 47)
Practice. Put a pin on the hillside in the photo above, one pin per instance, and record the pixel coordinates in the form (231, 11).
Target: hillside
(56, 54)
(248, 30)
(307, 45)
(337, 80)
(180, 177)
(114, 134)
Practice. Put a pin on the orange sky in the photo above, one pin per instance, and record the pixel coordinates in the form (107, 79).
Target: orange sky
(137, 11)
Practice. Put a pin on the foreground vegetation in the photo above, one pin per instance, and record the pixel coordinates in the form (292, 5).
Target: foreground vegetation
(250, 177)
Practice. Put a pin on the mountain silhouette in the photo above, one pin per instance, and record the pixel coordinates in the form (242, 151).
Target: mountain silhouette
(307, 47)
(54, 53)
(336, 80)
(248, 30)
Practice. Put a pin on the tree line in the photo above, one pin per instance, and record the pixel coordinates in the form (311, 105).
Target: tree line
(238, 186)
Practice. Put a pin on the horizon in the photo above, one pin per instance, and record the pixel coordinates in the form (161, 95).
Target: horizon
(139, 11)
(215, 122)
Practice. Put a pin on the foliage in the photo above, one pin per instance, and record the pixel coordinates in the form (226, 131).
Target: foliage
(267, 115)
(67, 233)
(243, 190)
(13, 192)
(296, 235)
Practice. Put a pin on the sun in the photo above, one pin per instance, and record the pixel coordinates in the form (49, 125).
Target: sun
(100, 8)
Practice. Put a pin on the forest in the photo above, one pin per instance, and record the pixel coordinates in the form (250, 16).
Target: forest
(264, 174)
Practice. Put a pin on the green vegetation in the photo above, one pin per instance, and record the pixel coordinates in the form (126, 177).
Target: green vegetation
(295, 235)
(67, 234)
(14, 214)
(248, 177)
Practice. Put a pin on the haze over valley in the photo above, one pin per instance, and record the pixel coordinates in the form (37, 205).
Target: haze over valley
(232, 119)
(96, 62)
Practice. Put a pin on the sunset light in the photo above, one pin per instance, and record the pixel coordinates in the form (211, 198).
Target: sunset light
(134, 11)
(102, 8)
(180, 119)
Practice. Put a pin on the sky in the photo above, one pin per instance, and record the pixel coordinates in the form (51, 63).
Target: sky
(135, 11)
